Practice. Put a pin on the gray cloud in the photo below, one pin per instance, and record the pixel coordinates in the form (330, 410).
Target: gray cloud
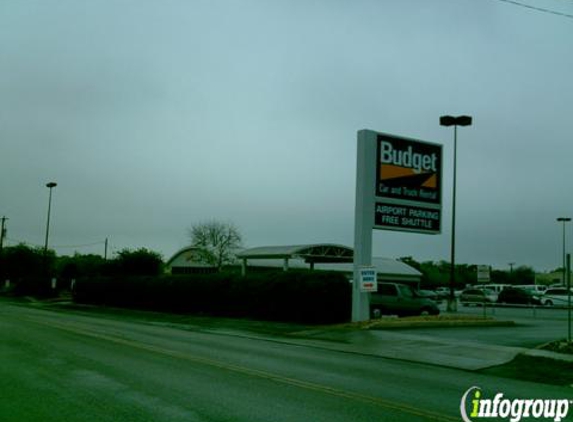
(154, 116)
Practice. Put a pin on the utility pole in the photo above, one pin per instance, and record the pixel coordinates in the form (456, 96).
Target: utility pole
(564, 220)
(511, 264)
(105, 250)
(2, 233)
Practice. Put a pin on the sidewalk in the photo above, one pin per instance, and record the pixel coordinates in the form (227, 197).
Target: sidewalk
(413, 348)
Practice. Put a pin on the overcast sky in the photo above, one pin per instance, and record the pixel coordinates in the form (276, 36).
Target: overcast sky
(155, 115)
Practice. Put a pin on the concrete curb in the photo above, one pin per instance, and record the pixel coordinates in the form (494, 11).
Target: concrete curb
(441, 324)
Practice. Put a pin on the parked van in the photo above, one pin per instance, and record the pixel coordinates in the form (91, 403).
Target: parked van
(401, 299)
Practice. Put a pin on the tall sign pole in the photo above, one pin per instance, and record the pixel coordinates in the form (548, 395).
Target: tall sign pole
(398, 187)
(363, 220)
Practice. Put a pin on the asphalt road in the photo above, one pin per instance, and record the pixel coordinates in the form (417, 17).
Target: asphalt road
(65, 367)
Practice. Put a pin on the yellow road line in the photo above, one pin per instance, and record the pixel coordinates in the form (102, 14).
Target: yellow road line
(387, 404)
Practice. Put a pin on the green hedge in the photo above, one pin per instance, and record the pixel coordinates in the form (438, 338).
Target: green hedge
(35, 286)
(304, 297)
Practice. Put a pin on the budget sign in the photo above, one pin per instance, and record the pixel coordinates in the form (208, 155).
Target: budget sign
(409, 170)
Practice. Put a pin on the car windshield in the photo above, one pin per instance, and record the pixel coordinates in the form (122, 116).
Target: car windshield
(406, 291)
(556, 292)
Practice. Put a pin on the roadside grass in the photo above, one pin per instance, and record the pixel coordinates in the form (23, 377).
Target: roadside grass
(185, 321)
(198, 321)
(194, 321)
(534, 369)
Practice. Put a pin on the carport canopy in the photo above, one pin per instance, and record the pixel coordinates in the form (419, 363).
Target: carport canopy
(311, 254)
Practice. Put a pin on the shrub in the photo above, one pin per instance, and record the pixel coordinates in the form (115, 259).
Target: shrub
(140, 262)
(304, 297)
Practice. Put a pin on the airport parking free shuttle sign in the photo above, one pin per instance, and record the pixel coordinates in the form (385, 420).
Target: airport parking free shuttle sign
(407, 218)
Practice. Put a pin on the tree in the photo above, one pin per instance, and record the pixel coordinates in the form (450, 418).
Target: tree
(80, 265)
(216, 242)
(24, 261)
(523, 275)
(139, 262)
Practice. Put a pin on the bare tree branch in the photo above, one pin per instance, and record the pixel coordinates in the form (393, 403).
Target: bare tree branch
(216, 242)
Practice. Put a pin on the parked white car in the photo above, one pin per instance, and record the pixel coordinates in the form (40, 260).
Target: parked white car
(477, 296)
(538, 289)
(555, 297)
(496, 288)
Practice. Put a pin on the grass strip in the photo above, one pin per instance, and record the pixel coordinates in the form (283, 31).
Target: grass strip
(534, 369)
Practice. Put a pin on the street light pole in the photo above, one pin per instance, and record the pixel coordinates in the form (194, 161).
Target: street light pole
(564, 220)
(2, 233)
(50, 186)
(455, 122)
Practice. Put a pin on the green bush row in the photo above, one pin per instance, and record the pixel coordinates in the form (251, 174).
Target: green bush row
(35, 286)
(303, 297)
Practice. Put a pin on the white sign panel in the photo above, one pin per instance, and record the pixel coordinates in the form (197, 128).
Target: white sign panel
(483, 274)
(368, 279)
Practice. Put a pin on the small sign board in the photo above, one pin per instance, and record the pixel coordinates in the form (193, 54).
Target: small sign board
(368, 279)
(483, 275)
(403, 217)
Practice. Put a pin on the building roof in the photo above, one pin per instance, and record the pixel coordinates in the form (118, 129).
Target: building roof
(186, 257)
(323, 256)
(386, 268)
(323, 252)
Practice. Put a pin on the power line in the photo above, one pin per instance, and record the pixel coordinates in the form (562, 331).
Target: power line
(538, 9)
(85, 245)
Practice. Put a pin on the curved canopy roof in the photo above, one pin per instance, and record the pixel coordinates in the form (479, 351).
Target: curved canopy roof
(323, 252)
(186, 257)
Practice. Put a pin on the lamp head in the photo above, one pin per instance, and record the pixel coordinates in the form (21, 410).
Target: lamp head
(464, 120)
(447, 120)
(455, 121)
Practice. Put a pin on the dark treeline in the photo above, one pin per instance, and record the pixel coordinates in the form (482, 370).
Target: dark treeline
(30, 270)
(436, 274)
